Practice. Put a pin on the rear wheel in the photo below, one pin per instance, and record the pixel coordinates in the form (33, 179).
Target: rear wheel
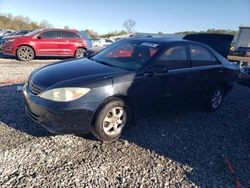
(111, 121)
(25, 53)
(80, 53)
(215, 99)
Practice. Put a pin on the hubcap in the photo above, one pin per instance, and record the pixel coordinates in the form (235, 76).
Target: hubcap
(80, 53)
(217, 99)
(114, 121)
(26, 53)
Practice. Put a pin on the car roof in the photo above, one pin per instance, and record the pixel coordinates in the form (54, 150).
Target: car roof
(58, 29)
(162, 40)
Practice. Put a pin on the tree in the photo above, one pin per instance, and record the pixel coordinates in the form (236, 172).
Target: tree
(91, 33)
(129, 25)
(66, 27)
(45, 24)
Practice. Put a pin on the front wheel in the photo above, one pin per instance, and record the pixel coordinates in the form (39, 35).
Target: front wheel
(215, 99)
(25, 53)
(111, 120)
(80, 53)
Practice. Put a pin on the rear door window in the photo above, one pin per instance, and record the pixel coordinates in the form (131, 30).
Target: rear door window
(50, 34)
(200, 56)
(69, 35)
(174, 57)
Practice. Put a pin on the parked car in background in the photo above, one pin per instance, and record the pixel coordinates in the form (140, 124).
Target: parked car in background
(45, 42)
(93, 51)
(105, 93)
(15, 33)
(21, 32)
(6, 32)
(87, 38)
(102, 42)
(243, 52)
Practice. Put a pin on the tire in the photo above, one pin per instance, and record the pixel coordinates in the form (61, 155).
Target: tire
(111, 120)
(80, 53)
(215, 99)
(25, 53)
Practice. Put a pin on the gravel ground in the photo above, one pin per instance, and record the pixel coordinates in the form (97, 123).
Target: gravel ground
(18, 71)
(182, 147)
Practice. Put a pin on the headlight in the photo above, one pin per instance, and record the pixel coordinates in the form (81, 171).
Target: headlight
(8, 40)
(64, 94)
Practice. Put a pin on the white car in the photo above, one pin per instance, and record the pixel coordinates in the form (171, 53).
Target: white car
(102, 42)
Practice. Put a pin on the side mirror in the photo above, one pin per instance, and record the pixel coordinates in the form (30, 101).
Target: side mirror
(39, 37)
(158, 69)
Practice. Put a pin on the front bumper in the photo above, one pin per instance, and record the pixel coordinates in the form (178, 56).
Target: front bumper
(60, 117)
(8, 50)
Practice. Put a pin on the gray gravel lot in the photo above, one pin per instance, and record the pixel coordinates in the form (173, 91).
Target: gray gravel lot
(18, 71)
(181, 147)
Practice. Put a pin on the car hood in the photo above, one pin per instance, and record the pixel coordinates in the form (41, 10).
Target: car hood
(74, 73)
(219, 42)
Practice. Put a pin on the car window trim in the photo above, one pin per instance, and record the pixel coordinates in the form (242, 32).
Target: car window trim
(192, 68)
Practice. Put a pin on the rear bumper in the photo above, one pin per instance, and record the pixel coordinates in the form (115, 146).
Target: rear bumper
(60, 118)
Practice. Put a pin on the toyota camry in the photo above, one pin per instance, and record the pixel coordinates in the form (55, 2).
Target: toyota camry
(104, 93)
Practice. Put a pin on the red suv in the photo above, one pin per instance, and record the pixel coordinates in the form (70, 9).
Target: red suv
(45, 42)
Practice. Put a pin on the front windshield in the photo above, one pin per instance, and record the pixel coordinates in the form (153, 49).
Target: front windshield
(33, 32)
(130, 55)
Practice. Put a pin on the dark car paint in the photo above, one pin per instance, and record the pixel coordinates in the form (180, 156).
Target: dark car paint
(81, 71)
(139, 88)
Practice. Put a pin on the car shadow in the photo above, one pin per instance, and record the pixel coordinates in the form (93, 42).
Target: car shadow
(184, 133)
(3, 56)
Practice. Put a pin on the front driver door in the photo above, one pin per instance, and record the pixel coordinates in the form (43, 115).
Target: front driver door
(47, 43)
(153, 89)
(176, 82)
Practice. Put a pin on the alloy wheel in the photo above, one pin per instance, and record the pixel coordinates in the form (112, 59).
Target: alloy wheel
(114, 121)
(216, 99)
(26, 53)
(80, 53)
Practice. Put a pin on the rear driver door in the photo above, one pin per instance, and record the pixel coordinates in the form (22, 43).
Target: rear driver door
(69, 42)
(207, 71)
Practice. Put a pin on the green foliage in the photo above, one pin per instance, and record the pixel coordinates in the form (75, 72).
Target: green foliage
(219, 31)
(21, 22)
(114, 33)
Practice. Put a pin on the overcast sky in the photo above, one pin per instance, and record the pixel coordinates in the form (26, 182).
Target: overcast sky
(103, 16)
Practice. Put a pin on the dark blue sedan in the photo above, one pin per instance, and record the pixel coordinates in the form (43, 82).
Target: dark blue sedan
(104, 93)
